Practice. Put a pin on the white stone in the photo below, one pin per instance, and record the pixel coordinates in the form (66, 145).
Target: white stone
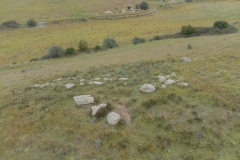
(183, 84)
(82, 80)
(185, 59)
(147, 88)
(83, 99)
(95, 109)
(113, 118)
(161, 78)
(163, 86)
(97, 79)
(69, 85)
(59, 79)
(81, 84)
(122, 79)
(96, 82)
(169, 82)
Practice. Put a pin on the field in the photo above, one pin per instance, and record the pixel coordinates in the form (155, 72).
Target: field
(200, 121)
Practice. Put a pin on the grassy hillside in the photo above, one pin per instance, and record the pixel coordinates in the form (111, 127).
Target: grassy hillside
(200, 121)
(24, 44)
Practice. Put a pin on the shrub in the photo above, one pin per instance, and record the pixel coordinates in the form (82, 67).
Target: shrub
(157, 37)
(137, 6)
(54, 52)
(97, 48)
(137, 40)
(188, 1)
(129, 7)
(143, 5)
(31, 23)
(83, 46)
(188, 30)
(10, 24)
(220, 24)
(109, 43)
(70, 51)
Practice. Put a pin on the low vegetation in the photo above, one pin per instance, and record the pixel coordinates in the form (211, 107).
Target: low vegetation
(137, 40)
(31, 23)
(109, 43)
(10, 24)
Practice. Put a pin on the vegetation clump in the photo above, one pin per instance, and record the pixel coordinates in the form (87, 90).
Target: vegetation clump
(143, 5)
(54, 52)
(188, 30)
(10, 24)
(70, 51)
(137, 40)
(82, 46)
(109, 43)
(221, 24)
(31, 23)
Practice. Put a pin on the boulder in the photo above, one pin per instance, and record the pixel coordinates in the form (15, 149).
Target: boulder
(113, 118)
(169, 82)
(161, 78)
(122, 79)
(69, 85)
(97, 108)
(185, 59)
(147, 88)
(83, 99)
(183, 84)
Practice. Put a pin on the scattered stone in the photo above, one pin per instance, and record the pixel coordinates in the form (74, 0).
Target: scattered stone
(81, 84)
(82, 80)
(97, 108)
(108, 79)
(185, 59)
(83, 99)
(122, 79)
(183, 84)
(59, 79)
(169, 82)
(69, 85)
(113, 118)
(162, 78)
(163, 86)
(41, 85)
(96, 82)
(108, 12)
(147, 88)
(97, 79)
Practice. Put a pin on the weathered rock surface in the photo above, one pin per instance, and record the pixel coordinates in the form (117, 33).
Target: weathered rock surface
(183, 84)
(163, 86)
(169, 82)
(97, 108)
(96, 82)
(83, 99)
(185, 59)
(161, 78)
(113, 118)
(69, 85)
(147, 88)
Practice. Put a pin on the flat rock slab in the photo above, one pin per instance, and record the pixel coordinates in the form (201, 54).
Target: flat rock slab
(97, 108)
(169, 82)
(83, 99)
(113, 118)
(147, 88)
(69, 85)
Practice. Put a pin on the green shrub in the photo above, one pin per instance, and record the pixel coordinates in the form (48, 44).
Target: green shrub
(82, 46)
(188, 30)
(221, 24)
(54, 52)
(31, 23)
(143, 5)
(10, 24)
(97, 48)
(157, 37)
(70, 51)
(109, 43)
(137, 40)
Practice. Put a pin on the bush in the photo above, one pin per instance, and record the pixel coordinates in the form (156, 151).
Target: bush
(137, 6)
(83, 46)
(157, 37)
(97, 48)
(137, 40)
(70, 51)
(188, 30)
(221, 24)
(143, 5)
(31, 23)
(10, 24)
(188, 1)
(54, 52)
(109, 43)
